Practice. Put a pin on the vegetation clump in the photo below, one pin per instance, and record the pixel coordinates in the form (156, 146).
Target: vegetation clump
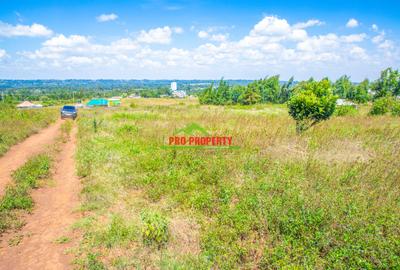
(312, 103)
(18, 124)
(17, 195)
(384, 105)
(155, 229)
(345, 110)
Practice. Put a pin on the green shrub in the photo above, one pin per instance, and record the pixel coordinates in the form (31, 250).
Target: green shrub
(312, 102)
(396, 108)
(345, 110)
(382, 105)
(155, 229)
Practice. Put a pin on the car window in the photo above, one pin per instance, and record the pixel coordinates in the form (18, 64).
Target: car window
(69, 108)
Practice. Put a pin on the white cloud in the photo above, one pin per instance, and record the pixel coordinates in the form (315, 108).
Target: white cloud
(375, 28)
(272, 46)
(202, 34)
(386, 45)
(160, 35)
(378, 38)
(34, 30)
(358, 52)
(271, 26)
(213, 37)
(70, 41)
(107, 17)
(2, 53)
(219, 37)
(178, 30)
(320, 43)
(308, 23)
(353, 38)
(351, 23)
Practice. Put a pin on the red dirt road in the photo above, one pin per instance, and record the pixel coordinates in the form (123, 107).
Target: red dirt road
(51, 219)
(18, 154)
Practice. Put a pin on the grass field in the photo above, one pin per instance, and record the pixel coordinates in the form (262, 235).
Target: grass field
(328, 198)
(16, 124)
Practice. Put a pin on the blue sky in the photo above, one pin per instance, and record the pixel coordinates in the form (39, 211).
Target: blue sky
(158, 39)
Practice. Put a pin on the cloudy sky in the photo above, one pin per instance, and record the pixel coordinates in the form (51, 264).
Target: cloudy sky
(156, 39)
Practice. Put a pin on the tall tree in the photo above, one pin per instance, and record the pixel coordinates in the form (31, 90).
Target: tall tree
(387, 84)
(343, 86)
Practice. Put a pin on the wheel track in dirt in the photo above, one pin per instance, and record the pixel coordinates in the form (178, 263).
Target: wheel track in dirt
(18, 154)
(51, 219)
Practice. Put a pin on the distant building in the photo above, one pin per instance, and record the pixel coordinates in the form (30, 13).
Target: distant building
(343, 102)
(174, 86)
(114, 101)
(178, 94)
(133, 96)
(29, 105)
(97, 102)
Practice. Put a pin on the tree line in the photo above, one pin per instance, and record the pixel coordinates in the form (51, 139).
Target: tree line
(271, 90)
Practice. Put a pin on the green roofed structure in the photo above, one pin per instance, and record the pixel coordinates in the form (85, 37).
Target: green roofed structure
(98, 102)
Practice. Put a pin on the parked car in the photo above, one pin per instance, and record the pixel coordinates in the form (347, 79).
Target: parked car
(69, 112)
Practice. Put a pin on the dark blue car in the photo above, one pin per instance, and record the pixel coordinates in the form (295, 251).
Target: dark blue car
(69, 112)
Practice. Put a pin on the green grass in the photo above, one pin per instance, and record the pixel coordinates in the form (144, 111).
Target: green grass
(16, 124)
(17, 195)
(326, 199)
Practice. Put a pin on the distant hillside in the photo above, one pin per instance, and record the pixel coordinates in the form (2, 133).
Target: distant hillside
(107, 84)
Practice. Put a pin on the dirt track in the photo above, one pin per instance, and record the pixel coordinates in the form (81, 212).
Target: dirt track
(20, 153)
(51, 219)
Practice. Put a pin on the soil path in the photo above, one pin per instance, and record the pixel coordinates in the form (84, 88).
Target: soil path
(18, 154)
(51, 219)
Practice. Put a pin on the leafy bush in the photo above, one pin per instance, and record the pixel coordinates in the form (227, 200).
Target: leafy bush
(312, 102)
(345, 110)
(155, 229)
(396, 108)
(382, 105)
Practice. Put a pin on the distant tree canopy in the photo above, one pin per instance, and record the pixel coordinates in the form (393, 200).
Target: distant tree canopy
(388, 84)
(311, 103)
(265, 90)
(271, 90)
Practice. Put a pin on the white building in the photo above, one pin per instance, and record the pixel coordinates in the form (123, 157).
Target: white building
(174, 86)
(343, 102)
(178, 94)
(29, 105)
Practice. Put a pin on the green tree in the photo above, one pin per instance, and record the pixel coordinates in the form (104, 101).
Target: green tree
(359, 93)
(270, 89)
(207, 97)
(250, 96)
(343, 86)
(387, 84)
(286, 90)
(236, 92)
(223, 93)
(312, 103)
